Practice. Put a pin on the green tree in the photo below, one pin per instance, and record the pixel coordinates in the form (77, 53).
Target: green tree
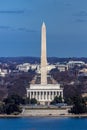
(27, 101)
(2, 106)
(12, 104)
(33, 101)
(12, 108)
(79, 105)
(57, 100)
(69, 101)
(13, 99)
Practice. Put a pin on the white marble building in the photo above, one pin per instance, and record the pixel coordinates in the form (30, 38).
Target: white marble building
(44, 93)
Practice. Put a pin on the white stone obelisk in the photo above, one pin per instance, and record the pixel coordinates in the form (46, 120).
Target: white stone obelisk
(43, 56)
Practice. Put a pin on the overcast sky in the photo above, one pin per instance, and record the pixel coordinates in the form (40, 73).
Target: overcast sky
(20, 27)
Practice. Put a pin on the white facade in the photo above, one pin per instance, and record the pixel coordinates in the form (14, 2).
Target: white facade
(23, 67)
(34, 66)
(44, 94)
(26, 66)
(71, 64)
(4, 72)
(50, 67)
(62, 67)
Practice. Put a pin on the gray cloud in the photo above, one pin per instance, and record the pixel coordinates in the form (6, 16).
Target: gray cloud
(81, 14)
(5, 27)
(81, 20)
(67, 3)
(12, 11)
(26, 30)
(23, 29)
(16, 29)
(80, 17)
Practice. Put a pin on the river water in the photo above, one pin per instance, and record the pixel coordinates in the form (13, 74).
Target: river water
(43, 123)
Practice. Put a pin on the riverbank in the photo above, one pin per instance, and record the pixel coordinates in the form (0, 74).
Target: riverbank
(45, 112)
(57, 116)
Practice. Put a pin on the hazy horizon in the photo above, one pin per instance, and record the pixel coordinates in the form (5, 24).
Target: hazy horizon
(38, 57)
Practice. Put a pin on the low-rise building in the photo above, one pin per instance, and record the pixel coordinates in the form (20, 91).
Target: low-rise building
(4, 72)
(62, 67)
(23, 67)
(72, 64)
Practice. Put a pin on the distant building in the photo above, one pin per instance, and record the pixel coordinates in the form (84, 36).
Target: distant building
(82, 72)
(62, 67)
(26, 67)
(4, 72)
(23, 67)
(50, 67)
(72, 64)
(34, 66)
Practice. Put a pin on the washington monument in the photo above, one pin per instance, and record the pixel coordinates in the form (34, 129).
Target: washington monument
(43, 56)
(43, 88)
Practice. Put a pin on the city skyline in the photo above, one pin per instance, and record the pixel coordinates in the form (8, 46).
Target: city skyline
(21, 20)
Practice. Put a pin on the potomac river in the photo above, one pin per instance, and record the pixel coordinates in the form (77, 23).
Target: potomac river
(43, 123)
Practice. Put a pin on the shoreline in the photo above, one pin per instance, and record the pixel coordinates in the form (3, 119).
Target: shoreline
(37, 116)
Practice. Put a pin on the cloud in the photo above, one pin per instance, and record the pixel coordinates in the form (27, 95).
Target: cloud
(81, 20)
(26, 30)
(67, 3)
(5, 27)
(23, 29)
(81, 14)
(12, 11)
